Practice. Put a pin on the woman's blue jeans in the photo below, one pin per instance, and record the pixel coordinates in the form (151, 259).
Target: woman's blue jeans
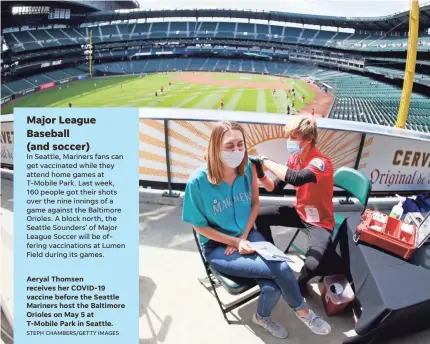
(274, 278)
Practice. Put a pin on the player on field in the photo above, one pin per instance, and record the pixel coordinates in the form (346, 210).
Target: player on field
(221, 104)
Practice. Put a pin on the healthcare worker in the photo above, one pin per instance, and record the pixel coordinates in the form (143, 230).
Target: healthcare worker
(311, 174)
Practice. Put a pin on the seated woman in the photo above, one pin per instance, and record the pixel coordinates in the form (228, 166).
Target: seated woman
(222, 202)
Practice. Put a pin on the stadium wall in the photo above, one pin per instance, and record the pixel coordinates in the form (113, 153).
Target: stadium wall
(42, 87)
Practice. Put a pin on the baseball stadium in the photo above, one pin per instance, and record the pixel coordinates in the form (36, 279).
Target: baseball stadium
(365, 79)
(351, 69)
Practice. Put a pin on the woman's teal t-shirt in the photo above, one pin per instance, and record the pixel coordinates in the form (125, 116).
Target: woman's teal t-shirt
(223, 207)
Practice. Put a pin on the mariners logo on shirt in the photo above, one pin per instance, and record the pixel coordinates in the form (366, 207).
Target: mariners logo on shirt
(219, 206)
(319, 164)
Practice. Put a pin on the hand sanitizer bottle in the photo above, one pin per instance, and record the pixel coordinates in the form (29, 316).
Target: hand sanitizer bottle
(397, 211)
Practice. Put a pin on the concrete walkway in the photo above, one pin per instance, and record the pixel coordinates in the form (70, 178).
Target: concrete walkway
(175, 308)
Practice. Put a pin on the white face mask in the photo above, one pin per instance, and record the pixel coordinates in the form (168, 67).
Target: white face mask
(232, 159)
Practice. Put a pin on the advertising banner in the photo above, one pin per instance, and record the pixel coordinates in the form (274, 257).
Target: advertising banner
(84, 76)
(6, 140)
(396, 164)
(6, 100)
(47, 85)
(391, 163)
(188, 142)
(25, 92)
(64, 81)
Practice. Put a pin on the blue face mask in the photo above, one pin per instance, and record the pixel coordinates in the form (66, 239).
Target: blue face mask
(294, 147)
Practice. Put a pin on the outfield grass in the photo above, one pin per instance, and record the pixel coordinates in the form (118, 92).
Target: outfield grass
(140, 92)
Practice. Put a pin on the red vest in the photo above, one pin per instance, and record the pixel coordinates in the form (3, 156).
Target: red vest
(315, 200)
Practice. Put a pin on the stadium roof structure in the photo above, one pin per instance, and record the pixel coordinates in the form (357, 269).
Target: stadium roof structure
(34, 12)
(398, 21)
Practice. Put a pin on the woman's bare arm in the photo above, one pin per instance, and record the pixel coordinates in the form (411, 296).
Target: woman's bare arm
(267, 183)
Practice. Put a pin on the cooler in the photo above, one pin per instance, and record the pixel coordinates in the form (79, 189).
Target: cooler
(336, 294)
(390, 234)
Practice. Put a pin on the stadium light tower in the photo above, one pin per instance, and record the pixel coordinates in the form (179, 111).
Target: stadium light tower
(88, 52)
(410, 65)
(91, 53)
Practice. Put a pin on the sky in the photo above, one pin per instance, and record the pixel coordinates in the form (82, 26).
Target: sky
(347, 8)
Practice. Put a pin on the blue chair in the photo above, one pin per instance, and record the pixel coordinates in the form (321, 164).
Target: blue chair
(356, 184)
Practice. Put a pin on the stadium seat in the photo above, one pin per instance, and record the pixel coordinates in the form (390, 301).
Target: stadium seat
(366, 98)
(357, 97)
(5, 91)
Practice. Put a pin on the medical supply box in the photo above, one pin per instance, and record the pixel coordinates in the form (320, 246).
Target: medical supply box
(390, 234)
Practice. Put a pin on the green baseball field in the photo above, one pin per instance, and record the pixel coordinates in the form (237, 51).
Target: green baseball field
(199, 90)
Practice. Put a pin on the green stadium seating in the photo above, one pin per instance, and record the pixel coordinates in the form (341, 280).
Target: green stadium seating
(363, 99)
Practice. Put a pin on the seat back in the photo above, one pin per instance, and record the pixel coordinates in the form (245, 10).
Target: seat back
(196, 238)
(234, 285)
(353, 182)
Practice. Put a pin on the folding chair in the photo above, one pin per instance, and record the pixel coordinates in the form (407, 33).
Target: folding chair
(233, 285)
(356, 184)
